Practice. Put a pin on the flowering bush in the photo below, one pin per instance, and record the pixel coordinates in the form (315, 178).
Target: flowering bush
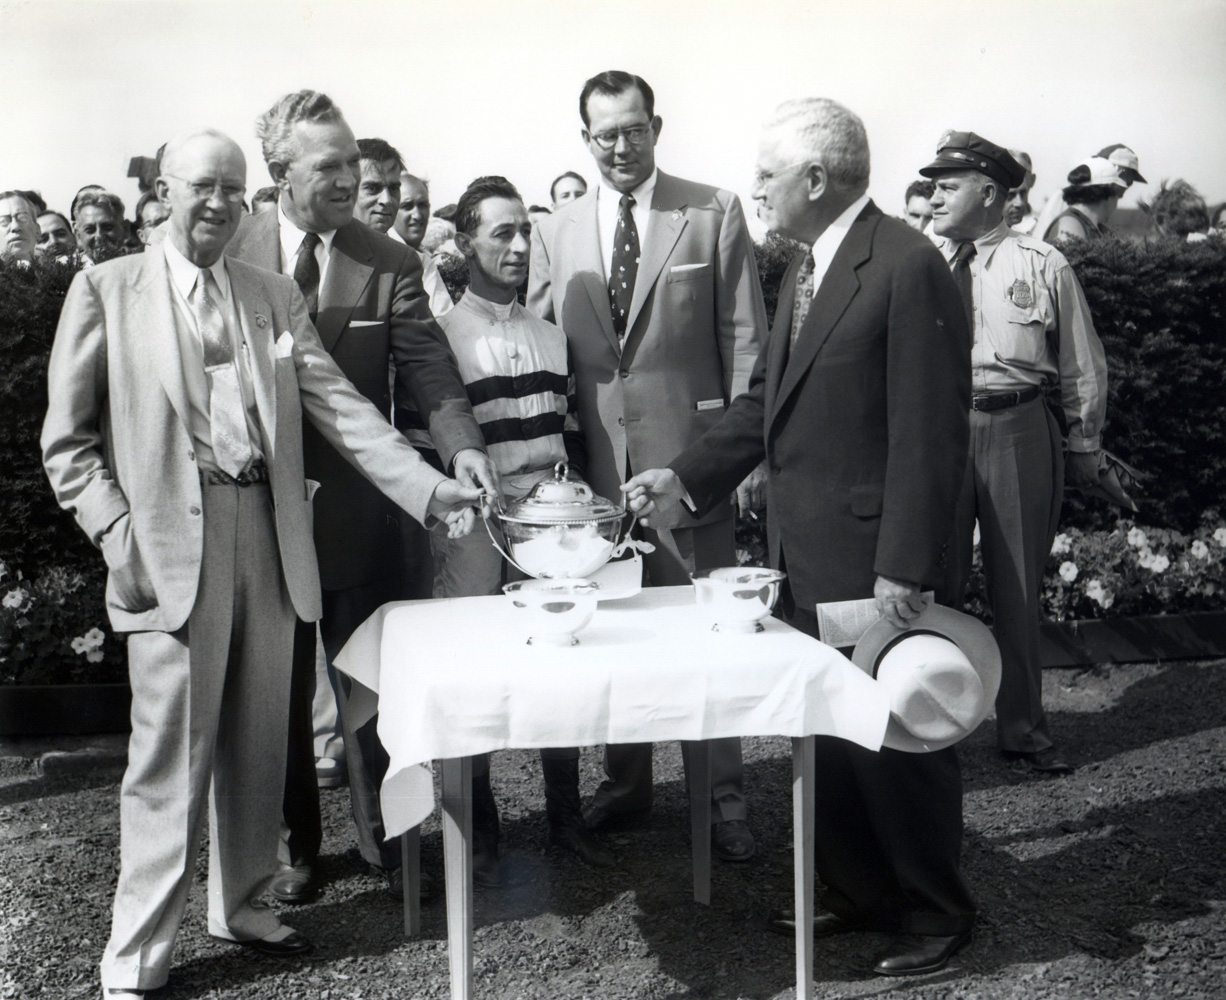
(49, 629)
(1130, 570)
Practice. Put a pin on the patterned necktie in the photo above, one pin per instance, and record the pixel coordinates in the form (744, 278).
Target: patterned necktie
(625, 265)
(961, 268)
(227, 417)
(804, 296)
(306, 273)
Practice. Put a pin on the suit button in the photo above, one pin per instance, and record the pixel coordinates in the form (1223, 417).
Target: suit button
(776, 470)
(621, 421)
(193, 510)
(191, 456)
(624, 374)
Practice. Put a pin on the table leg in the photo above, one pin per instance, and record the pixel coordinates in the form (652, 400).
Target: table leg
(804, 767)
(700, 819)
(458, 861)
(410, 867)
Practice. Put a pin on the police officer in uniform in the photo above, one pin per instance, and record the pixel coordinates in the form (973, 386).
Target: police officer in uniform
(1039, 396)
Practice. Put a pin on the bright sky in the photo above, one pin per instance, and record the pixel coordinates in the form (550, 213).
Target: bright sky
(470, 87)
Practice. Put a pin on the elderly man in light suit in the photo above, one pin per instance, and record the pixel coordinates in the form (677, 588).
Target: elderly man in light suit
(178, 384)
(653, 280)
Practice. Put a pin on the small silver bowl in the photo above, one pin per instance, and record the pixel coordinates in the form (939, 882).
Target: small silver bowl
(738, 597)
(552, 611)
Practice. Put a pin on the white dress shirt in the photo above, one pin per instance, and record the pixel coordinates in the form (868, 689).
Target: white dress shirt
(608, 200)
(828, 243)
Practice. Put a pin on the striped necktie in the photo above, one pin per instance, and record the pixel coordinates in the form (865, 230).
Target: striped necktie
(227, 416)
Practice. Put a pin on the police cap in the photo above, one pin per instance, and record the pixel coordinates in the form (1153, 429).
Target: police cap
(968, 151)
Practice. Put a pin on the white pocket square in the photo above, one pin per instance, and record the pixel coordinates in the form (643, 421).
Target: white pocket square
(285, 345)
(686, 267)
(365, 322)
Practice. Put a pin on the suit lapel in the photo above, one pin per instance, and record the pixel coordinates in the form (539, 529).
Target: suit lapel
(667, 221)
(584, 244)
(151, 288)
(830, 301)
(349, 271)
(255, 316)
(259, 241)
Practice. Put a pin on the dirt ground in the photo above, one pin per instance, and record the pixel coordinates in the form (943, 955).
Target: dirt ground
(1110, 883)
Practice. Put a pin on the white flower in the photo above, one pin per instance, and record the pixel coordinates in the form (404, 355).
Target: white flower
(95, 637)
(14, 598)
(1200, 550)
(95, 656)
(1138, 539)
(1061, 544)
(1219, 536)
(1068, 571)
(79, 645)
(1159, 564)
(1099, 594)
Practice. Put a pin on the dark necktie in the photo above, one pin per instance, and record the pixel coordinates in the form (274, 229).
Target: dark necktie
(306, 273)
(625, 265)
(961, 268)
(804, 296)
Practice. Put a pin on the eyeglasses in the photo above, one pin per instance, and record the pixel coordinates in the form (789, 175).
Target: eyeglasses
(232, 193)
(636, 135)
(763, 177)
(24, 218)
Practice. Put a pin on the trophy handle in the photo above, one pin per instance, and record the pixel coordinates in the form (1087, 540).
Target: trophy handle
(487, 512)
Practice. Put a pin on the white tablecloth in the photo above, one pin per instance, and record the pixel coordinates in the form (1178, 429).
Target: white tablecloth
(455, 678)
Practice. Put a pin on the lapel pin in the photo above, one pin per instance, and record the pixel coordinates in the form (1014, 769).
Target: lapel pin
(260, 321)
(676, 215)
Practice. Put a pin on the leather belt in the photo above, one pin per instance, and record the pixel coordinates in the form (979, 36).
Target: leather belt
(1004, 400)
(249, 477)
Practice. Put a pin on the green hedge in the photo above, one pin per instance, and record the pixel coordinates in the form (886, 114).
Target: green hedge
(1160, 309)
(52, 617)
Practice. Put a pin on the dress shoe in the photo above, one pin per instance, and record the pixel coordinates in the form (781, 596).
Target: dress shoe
(731, 840)
(1047, 761)
(120, 993)
(284, 942)
(395, 885)
(824, 924)
(599, 818)
(916, 954)
(294, 884)
(582, 843)
(330, 772)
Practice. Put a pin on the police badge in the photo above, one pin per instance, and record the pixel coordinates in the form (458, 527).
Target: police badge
(1020, 294)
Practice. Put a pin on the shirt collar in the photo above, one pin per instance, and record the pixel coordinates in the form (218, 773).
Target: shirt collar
(833, 234)
(985, 246)
(642, 194)
(291, 236)
(184, 273)
(498, 310)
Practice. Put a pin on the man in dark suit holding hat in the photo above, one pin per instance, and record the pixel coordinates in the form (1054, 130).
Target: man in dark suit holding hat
(858, 403)
(1034, 341)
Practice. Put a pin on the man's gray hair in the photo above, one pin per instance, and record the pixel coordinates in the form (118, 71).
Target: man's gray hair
(101, 199)
(275, 127)
(821, 130)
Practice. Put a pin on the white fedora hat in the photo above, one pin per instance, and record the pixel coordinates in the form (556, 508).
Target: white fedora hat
(942, 672)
